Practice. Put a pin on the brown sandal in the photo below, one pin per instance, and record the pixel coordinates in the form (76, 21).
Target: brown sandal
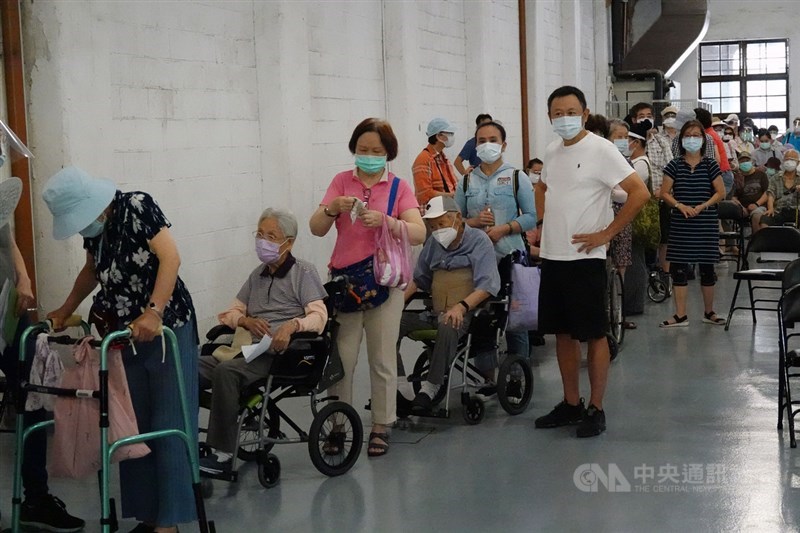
(382, 447)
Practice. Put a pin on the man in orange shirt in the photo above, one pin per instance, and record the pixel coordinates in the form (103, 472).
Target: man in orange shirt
(433, 175)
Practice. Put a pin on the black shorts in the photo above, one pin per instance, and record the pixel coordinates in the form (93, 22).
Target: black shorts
(664, 213)
(572, 298)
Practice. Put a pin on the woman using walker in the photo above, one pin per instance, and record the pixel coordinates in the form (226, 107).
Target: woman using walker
(131, 254)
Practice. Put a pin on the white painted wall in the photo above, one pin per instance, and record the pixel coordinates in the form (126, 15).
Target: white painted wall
(740, 19)
(568, 44)
(220, 109)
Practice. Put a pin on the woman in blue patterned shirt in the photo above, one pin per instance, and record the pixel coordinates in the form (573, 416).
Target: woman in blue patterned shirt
(131, 254)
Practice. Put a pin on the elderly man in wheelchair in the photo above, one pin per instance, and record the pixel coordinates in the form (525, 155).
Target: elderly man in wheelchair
(457, 267)
(280, 297)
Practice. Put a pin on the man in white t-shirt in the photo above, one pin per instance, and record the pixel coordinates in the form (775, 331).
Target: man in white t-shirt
(573, 199)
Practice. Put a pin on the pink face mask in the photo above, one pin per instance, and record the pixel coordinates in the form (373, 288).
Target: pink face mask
(268, 252)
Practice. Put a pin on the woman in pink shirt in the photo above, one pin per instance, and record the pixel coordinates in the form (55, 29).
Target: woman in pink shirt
(357, 202)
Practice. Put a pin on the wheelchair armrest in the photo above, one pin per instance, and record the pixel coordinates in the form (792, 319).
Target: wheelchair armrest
(306, 336)
(217, 331)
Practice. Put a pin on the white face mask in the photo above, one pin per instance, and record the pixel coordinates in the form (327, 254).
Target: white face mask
(489, 152)
(670, 122)
(445, 236)
(727, 137)
(789, 165)
(450, 140)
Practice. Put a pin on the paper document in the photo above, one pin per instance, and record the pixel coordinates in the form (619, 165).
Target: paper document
(251, 351)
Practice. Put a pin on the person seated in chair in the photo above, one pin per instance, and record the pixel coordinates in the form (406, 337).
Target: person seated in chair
(783, 193)
(281, 297)
(458, 267)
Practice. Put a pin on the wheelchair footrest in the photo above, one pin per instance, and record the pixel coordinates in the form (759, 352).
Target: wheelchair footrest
(230, 477)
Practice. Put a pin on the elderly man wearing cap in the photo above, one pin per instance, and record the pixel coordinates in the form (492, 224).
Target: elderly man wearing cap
(131, 255)
(458, 268)
(433, 175)
(40, 510)
(750, 189)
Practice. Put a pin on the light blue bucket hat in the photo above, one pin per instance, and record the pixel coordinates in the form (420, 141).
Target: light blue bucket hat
(76, 199)
(438, 125)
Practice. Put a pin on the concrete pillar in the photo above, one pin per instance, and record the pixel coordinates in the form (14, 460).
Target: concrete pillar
(66, 56)
(602, 56)
(538, 123)
(479, 37)
(403, 78)
(281, 43)
(571, 37)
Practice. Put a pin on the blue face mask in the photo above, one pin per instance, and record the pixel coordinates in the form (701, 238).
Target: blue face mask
(93, 230)
(746, 166)
(765, 146)
(692, 144)
(567, 127)
(371, 164)
(623, 146)
(771, 172)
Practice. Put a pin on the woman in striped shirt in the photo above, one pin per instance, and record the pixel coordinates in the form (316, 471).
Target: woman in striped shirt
(693, 186)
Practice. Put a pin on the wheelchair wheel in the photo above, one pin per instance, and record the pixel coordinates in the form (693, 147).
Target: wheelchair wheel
(336, 417)
(421, 372)
(514, 384)
(656, 290)
(269, 470)
(613, 347)
(272, 424)
(614, 307)
(474, 411)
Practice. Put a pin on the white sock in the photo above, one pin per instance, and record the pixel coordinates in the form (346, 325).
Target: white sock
(405, 388)
(223, 457)
(429, 388)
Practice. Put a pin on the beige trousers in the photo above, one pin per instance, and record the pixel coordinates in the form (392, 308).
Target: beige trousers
(382, 325)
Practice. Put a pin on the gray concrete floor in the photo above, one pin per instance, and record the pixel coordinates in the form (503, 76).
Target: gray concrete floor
(691, 445)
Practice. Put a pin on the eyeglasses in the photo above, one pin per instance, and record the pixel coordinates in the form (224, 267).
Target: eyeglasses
(260, 236)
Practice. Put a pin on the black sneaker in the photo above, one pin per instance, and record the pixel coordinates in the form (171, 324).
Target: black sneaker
(562, 414)
(421, 403)
(593, 423)
(212, 465)
(48, 513)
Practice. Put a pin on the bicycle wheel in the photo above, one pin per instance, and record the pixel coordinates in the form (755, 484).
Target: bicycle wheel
(614, 307)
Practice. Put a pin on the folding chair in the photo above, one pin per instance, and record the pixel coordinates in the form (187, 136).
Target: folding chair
(775, 243)
(788, 360)
(733, 215)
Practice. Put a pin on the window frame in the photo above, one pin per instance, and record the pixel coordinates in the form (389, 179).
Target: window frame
(742, 77)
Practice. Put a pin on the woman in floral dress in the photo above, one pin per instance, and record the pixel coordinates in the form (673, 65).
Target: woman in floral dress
(131, 254)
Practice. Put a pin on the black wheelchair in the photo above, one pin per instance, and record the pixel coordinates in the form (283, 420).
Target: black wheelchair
(306, 369)
(485, 337)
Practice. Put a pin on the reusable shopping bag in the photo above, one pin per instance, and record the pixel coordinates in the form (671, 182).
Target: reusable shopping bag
(393, 257)
(46, 370)
(76, 441)
(523, 309)
(646, 225)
